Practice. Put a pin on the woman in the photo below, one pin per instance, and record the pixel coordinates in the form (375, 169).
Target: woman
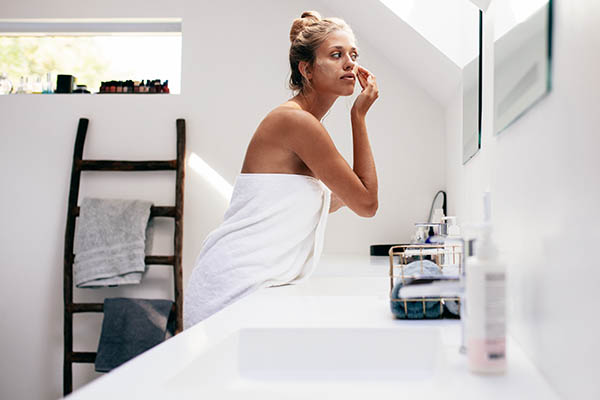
(292, 176)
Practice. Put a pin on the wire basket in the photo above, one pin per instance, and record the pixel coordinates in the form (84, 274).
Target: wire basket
(442, 255)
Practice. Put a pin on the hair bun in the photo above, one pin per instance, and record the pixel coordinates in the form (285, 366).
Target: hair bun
(307, 18)
(311, 15)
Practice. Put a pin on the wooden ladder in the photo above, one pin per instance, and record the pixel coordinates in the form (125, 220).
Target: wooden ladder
(174, 260)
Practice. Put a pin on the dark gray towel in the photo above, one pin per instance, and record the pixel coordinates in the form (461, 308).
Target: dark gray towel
(130, 327)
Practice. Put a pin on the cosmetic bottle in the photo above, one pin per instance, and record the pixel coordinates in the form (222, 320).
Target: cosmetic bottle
(21, 87)
(36, 85)
(47, 84)
(6, 85)
(436, 235)
(419, 236)
(453, 247)
(486, 311)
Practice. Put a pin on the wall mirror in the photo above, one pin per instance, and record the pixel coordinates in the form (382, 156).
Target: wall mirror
(522, 58)
(471, 87)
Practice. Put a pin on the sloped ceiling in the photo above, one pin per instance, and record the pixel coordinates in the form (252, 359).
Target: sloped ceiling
(402, 45)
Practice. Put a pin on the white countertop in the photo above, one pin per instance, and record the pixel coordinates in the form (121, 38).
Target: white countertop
(345, 294)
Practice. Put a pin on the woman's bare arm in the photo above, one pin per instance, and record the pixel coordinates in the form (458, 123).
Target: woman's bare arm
(336, 203)
(355, 186)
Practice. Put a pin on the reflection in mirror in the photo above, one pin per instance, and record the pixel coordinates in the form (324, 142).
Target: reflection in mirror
(522, 53)
(471, 77)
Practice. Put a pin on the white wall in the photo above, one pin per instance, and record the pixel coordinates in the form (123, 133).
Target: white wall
(543, 175)
(234, 71)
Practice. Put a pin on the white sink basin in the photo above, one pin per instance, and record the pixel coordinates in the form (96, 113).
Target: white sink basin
(275, 361)
(315, 347)
(336, 353)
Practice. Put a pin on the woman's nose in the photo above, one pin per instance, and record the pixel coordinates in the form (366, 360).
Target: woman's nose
(350, 63)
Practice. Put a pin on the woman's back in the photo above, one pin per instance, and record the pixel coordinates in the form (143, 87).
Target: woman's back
(269, 150)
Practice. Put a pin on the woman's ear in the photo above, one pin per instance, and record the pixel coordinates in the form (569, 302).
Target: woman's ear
(305, 70)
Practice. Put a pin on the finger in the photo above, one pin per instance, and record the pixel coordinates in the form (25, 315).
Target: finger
(372, 81)
(364, 70)
(362, 80)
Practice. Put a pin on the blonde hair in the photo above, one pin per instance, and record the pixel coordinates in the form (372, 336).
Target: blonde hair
(307, 34)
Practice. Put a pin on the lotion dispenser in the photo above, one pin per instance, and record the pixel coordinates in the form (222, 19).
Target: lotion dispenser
(486, 311)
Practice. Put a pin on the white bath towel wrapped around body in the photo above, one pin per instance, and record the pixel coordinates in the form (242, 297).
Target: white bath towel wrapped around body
(272, 234)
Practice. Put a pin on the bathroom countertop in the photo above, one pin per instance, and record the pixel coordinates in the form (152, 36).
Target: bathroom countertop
(345, 293)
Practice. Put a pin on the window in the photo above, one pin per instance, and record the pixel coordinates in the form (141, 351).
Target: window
(92, 51)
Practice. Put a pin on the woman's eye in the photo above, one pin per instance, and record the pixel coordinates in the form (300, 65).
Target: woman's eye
(354, 56)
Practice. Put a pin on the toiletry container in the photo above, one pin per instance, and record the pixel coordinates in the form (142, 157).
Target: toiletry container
(438, 218)
(5, 84)
(437, 234)
(64, 83)
(453, 247)
(486, 311)
(452, 261)
(419, 236)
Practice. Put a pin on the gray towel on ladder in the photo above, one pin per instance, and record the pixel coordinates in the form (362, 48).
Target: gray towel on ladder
(110, 242)
(130, 327)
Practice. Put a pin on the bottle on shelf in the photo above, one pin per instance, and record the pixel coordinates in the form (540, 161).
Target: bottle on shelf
(36, 85)
(47, 84)
(6, 85)
(21, 86)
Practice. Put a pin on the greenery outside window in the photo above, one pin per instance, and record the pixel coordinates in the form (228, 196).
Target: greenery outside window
(93, 51)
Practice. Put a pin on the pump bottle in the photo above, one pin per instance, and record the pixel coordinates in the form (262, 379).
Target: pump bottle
(486, 311)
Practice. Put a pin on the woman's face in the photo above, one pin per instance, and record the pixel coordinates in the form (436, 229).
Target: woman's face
(335, 66)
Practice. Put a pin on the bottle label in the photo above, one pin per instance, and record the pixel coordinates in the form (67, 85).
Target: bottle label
(486, 318)
(495, 319)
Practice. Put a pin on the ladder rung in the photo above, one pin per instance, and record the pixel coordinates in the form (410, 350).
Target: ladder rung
(85, 307)
(148, 260)
(163, 211)
(83, 357)
(91, 307)
(160, 260)
(155, 211)
(112, 165)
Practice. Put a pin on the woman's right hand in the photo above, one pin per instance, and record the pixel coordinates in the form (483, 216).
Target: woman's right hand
(369, 93)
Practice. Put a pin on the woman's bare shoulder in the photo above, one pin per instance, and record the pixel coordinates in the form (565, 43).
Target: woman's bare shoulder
(291, 115)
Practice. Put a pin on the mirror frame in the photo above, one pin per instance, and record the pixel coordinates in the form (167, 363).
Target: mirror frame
(466, 159)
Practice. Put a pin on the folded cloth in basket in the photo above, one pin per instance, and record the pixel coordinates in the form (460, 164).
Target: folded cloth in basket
(424, 267)
(110, 242)
(130, 327)
(415, 308)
